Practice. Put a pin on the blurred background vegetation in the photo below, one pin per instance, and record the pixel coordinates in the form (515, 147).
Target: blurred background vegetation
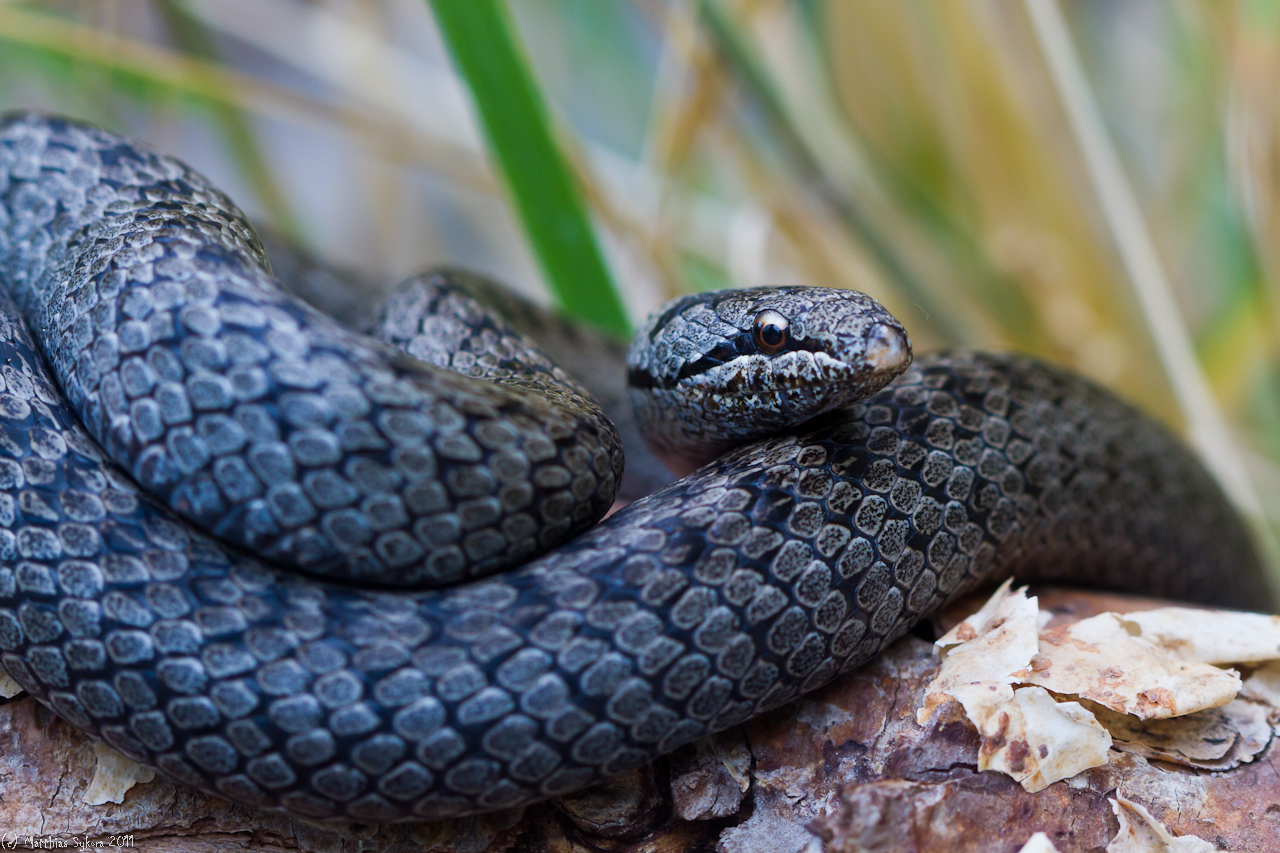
(1097, 182)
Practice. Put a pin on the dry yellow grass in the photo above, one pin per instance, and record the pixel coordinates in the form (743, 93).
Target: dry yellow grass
(923, 152)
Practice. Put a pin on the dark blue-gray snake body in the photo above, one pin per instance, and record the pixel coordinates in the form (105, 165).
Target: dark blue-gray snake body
(723, 595)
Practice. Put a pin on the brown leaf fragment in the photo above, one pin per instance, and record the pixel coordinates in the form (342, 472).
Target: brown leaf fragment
(619, 807)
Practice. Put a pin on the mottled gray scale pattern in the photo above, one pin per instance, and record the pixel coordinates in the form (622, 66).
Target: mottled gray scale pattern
(580, 350)
(436, 317)
(721, 596)
(177, 348)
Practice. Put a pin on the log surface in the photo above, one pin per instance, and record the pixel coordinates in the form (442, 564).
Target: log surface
(845, 769)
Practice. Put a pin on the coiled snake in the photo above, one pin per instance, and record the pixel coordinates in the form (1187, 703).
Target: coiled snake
(761, 576)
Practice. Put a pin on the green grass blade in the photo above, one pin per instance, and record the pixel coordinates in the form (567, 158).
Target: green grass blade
(480, 38)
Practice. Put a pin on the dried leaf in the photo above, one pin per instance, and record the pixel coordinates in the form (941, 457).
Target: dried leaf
(1142, 833)
(1264, 685)
(1099, 659)
(114, 776)
(1208, 636)
(985, 649)
(1038, 741)
(1122, 676)
(1214, 739)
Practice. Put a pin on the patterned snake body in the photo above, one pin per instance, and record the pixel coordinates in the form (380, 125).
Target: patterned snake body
(722, 595)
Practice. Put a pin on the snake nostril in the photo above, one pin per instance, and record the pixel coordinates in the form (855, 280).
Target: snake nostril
(887, 348)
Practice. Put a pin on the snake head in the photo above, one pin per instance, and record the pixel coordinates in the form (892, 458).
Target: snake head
(712, 370)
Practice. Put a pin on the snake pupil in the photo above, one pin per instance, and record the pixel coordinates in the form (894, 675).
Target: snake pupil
(771, 332)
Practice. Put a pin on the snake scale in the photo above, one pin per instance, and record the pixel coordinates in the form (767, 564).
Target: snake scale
(730, 592)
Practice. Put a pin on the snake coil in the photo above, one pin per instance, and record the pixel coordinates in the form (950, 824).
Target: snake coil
(723, 595)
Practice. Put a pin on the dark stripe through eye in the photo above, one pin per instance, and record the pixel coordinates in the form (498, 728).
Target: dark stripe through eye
(743, 344)
(727, 350)
(724, 351)
(645, 380)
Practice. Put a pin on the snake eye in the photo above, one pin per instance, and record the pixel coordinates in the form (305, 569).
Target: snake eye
(771, 332)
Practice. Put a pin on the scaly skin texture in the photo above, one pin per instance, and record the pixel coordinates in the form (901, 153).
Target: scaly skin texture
(719, 597)
(252, 415)
(588, 355)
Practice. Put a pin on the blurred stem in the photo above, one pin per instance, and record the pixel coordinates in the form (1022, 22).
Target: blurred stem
(480, 38)
(1207, 427)
(739, 57)
(212, 83)
(679, 118)
(70, 40)
(194, 39)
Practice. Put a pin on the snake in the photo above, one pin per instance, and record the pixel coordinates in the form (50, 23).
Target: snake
(210, 494)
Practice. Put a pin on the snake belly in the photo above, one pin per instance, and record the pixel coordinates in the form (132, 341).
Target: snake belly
(719, 597)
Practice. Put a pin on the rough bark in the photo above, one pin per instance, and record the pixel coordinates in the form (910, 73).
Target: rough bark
(846, 769)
